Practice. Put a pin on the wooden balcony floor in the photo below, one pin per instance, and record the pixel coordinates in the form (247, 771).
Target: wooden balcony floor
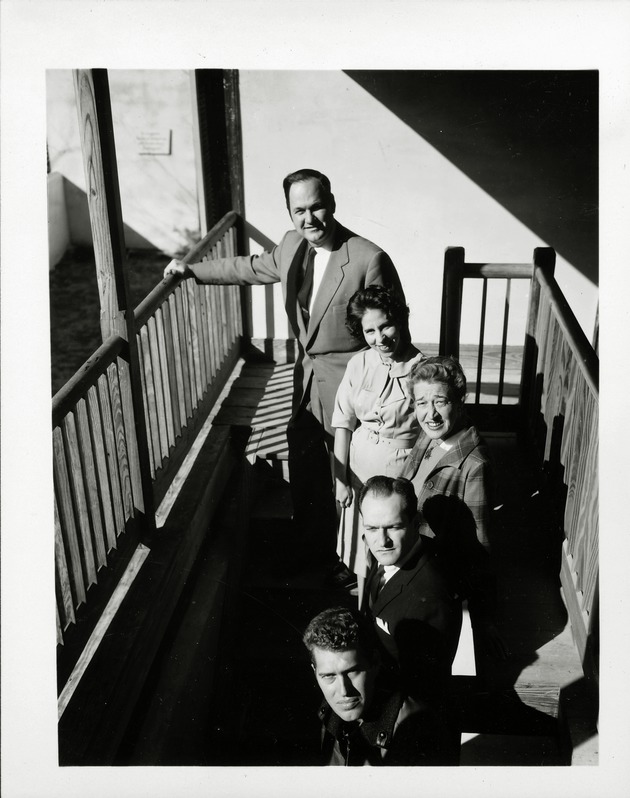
(266, 702)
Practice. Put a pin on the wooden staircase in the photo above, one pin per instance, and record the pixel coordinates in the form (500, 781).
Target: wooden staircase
(535, 709)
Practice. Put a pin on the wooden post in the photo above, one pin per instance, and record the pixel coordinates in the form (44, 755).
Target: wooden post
(103, 193)
(219, 153)
(452, 289)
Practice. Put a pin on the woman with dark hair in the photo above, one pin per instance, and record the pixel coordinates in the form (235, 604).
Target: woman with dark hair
(374, 421)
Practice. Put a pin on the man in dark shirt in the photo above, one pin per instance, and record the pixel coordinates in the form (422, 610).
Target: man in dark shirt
(365, 722)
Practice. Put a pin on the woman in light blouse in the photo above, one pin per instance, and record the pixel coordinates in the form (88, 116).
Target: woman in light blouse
(374, 421)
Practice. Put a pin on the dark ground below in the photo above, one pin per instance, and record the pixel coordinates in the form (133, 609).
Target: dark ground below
(74, 307)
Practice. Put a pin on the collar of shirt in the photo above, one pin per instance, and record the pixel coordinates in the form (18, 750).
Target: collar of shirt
(397, 368)
(320, 261)
(451, 441)
(392, 570)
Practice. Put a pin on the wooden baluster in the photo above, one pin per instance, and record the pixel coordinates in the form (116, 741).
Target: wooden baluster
(89, 471)
(164, 378)
(101, 468)
(183, 354)
(64, 585)
(506, 320)
(158, 383)
(110, 451)
(122, 457)
(75, 471)
(66, 516)
(482, 330)
(170, 366)
(151, 403)
(191, 318)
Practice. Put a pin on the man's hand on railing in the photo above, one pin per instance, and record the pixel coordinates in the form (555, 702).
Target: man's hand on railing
(177, 267)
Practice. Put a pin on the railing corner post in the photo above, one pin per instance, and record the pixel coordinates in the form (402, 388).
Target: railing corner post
(545, 259)
(452, 301)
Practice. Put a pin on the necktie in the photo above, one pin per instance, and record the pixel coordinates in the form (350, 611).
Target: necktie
(306, 289)
(377, 583)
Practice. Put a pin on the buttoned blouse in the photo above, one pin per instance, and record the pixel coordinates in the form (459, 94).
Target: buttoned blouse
(374, 394)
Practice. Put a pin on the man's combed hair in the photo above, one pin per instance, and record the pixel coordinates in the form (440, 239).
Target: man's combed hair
(306, 174)
(446, 369)
(340, 629)
(376, 297)
(387, 486)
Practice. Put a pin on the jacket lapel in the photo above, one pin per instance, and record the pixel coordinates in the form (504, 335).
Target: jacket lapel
(460, 451)
(400, 580)
(294, 280)
(455, 457)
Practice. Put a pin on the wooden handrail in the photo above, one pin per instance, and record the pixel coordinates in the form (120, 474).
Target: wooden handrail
(498, 270)
(86, 376)
(163, 289)
(579, 343)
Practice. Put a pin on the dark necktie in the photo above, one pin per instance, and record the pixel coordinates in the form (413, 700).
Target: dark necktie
(306, 289)
(377, 584)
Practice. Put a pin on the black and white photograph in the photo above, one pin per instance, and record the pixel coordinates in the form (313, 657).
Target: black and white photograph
(300, 415)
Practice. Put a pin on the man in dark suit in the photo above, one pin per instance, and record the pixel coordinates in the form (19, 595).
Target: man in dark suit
(363, 721)
(410, 595)
(320, 264)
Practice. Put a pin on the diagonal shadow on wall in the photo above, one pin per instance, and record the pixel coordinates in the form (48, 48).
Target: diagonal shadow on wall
(527, 138)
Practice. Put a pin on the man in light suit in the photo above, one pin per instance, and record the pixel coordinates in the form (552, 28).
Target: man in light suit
(410, 594)
(320, 264)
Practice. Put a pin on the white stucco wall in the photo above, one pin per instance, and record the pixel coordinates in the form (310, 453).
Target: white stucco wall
(391, 186)
(158, 192)
(58, 232)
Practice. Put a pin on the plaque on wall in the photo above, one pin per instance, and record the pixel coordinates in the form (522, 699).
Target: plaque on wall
(154, 142)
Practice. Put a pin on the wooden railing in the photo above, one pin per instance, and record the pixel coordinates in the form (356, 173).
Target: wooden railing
(558, 411)
(188, 339)
(96, 476)
(562, 420)
(500, 357)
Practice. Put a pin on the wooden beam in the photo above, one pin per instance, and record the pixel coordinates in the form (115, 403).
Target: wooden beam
(101, 175)
(452, 289)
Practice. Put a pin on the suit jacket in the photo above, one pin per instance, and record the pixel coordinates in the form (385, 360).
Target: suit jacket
(417, 617)
(326, 345)
(465, 472)
(455, 500)
(394, 731)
